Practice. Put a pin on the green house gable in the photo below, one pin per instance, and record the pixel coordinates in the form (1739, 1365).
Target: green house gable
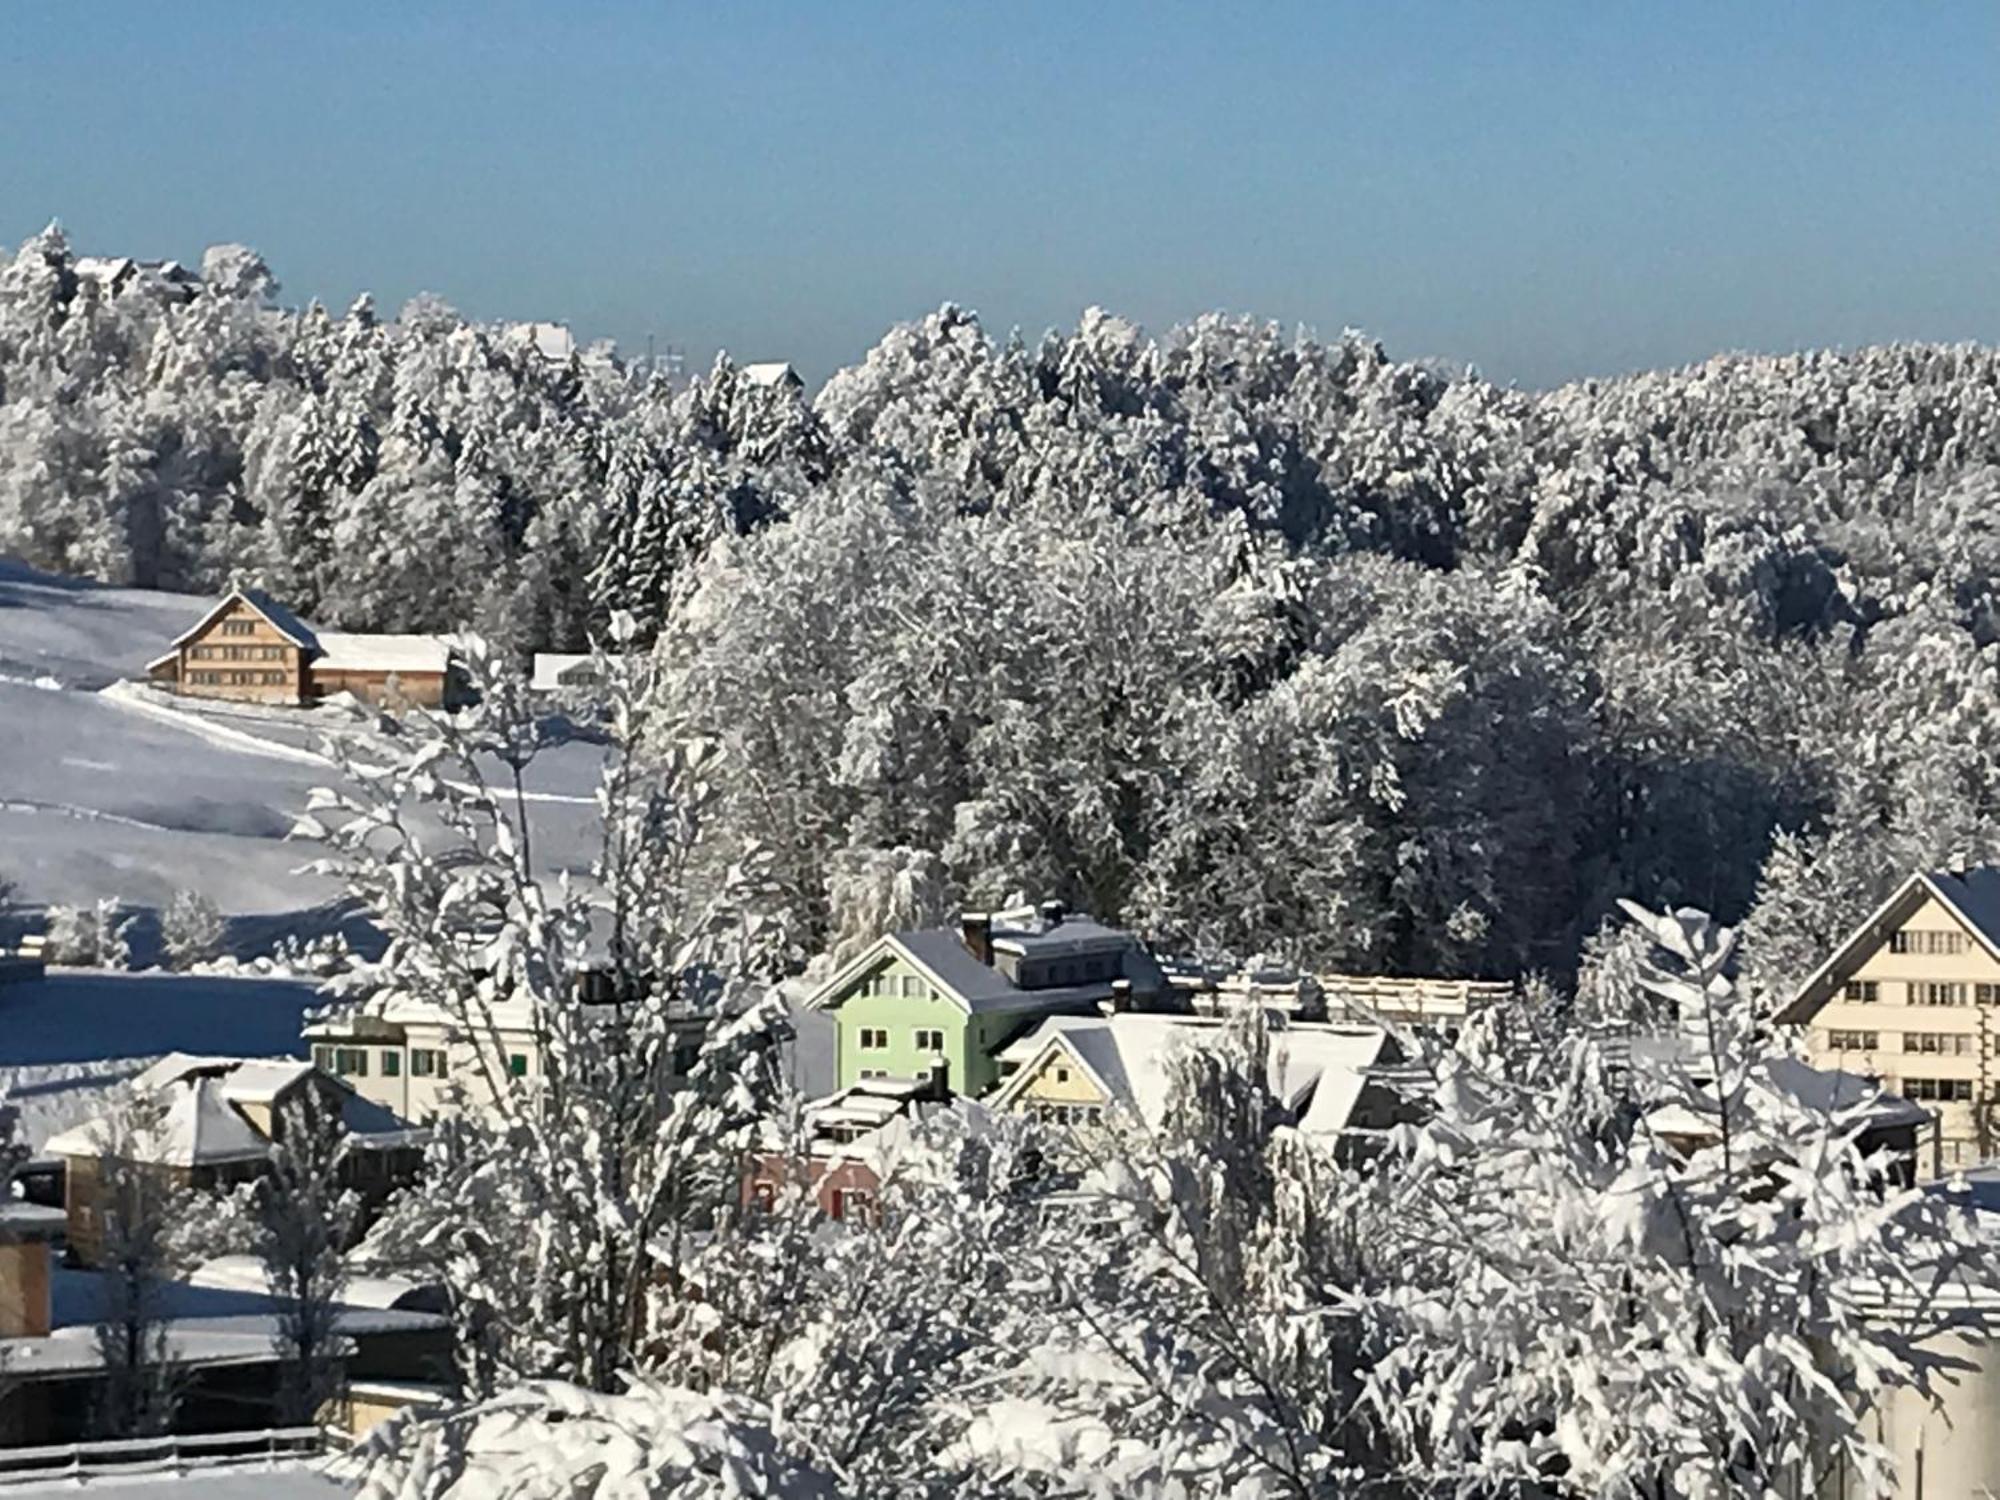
(892, 1020)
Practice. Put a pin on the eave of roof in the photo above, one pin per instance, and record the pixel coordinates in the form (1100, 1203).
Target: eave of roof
(1802, 1007)
(280, 619)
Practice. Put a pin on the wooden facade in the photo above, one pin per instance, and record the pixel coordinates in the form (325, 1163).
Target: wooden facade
(251, 649)
(241, 653)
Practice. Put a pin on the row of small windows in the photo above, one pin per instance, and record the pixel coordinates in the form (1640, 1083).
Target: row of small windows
(1923, 940)
(923, 1038)
(1942, 1090)
(1069, 1114)
(1943, 1043)
(1923, 992)
(236, 653)
(239, 627)
(907, 986)
(425, 1062)
(237, 679)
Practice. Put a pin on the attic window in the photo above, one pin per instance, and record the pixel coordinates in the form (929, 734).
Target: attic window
(239, 627)
(1062, 1075)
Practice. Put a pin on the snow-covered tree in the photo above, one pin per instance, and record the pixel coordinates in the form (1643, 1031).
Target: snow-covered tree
(304, 1222)
(92, 937)
(577, 1190)
(138, 1208)
(1707, 1301)
(191, 930)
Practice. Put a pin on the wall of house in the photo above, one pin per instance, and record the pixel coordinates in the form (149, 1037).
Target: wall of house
(878, 1002)
(1059, 1080)
(1941, 1454)
(425, 689)
(388, 1072)
(1919, 1048)
(251, 664)
(24, 1289)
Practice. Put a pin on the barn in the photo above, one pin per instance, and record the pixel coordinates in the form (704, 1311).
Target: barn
(250, 648)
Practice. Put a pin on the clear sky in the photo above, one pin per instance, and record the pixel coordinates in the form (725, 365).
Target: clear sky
(1544, 191)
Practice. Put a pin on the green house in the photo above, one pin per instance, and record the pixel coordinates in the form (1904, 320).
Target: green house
(943, 998)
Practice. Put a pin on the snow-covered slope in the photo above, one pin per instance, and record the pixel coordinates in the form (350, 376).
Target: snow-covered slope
(133, 796)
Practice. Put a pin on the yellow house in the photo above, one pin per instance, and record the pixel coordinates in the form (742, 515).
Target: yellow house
(1079, 1070)
(1911, 998)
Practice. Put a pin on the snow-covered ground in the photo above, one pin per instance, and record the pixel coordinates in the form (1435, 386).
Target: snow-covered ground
(282, 1481)
(134, 795)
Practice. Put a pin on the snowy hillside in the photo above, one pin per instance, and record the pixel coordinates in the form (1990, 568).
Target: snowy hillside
(117, 793)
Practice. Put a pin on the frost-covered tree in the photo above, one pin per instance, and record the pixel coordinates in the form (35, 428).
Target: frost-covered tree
(191, 930)
(579, 1189)
(138, 1209)
(92, 937)
(303, 1221)
(1690, 1304)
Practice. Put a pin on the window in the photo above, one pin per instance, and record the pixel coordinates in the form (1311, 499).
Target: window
(1986, 994)
(928, 1040)
(350, 1062)
(1943, 1090)
(1931, 992)
(1069, 1114)
(874, 1073)
(324, 1057)
(1861, 991)
(1920, 940)
(392, 1063)
(517, 1066)
(913, 987)
(1062, 1075)
(1853, 1041)
(1946, 1043)
(874, 1039)
(239, 627)
(849, 1203)
(425, 1063)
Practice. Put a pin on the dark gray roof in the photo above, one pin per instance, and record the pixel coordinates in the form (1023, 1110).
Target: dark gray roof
(1976, 895)
(282, 619)
(942, 951)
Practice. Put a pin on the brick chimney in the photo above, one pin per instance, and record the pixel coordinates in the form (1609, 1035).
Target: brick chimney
(976, 929)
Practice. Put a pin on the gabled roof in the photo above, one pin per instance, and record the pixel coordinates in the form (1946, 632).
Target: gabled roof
(940, 954)
(282, 620)
(346, 651)
(551, 665)
(1973, 896)
(1318, 1072)
(772, 372)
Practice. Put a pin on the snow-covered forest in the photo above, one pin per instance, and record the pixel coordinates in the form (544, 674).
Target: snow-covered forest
(1257, 642)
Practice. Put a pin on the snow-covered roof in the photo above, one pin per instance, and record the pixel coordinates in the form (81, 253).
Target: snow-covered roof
(1971, 895)
(281, 619)
(200, 1128)
(553, 341)
(941, 954)
(203, 1125)
(345, 651)
(768, 373)
(74, 1351)
(559, 669)
(245, 1274)
(29, 1221)
(1819, 1091)
(1317, 1071)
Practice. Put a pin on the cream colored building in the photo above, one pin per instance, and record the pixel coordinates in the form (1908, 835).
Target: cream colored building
(1912, 998)
(416, 1058)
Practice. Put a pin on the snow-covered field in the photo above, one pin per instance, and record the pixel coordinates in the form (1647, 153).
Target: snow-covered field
(134, 795)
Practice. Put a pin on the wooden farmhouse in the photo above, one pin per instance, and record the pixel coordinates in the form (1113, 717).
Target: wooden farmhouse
(251, 649)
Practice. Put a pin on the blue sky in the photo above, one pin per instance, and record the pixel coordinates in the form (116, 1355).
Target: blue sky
(1544, 191)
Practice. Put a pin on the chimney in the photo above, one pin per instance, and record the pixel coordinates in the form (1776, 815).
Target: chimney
(976, 929)
(1052, 913)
